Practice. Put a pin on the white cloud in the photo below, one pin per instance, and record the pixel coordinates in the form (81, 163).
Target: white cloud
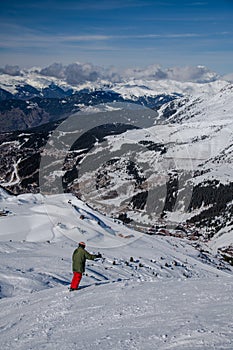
(228, 77)
(79, 72)
(54, 70)
(199, 74)
(10, 70)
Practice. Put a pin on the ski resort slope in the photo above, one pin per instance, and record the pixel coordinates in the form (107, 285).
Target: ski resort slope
(126, 315)
(147, 292)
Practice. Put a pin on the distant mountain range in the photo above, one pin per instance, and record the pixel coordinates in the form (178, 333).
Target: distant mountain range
(29, 98)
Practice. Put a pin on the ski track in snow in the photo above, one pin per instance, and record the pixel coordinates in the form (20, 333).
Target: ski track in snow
(146, 293)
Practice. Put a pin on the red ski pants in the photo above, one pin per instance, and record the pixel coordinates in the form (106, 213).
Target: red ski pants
(77, 276)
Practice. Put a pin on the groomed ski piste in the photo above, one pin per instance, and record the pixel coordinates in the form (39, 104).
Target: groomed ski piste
(147, 292)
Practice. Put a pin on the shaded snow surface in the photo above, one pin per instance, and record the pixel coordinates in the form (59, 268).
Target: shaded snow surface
(146, 293)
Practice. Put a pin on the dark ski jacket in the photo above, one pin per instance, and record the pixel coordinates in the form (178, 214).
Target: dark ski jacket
(80, 255)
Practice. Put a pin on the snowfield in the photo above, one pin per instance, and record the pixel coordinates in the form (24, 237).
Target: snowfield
(189, 314)
(147, 292)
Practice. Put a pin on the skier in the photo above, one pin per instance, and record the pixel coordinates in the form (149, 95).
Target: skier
(79, 259)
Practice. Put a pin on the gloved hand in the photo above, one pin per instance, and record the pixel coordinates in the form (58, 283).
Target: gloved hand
(99, 255)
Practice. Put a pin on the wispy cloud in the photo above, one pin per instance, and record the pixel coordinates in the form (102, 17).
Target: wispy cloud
(85, 37)
(198, 3)
(127, 37)
(83, 5)
(21, 37)
(164, 36)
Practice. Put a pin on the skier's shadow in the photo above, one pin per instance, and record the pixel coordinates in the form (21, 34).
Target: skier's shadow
(99, 283)
(93, 284)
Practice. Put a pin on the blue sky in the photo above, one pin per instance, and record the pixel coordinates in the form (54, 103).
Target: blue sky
(122, 33)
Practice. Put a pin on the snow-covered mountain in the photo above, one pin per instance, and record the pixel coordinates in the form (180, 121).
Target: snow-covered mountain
(29, 98)
(146, 291)
(50, 86)
(30, 101)
(139, 169)
(170, 169)
(78, 76)
(181, 167)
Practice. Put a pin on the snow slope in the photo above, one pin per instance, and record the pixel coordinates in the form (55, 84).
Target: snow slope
(125, 315)
(148, 292)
